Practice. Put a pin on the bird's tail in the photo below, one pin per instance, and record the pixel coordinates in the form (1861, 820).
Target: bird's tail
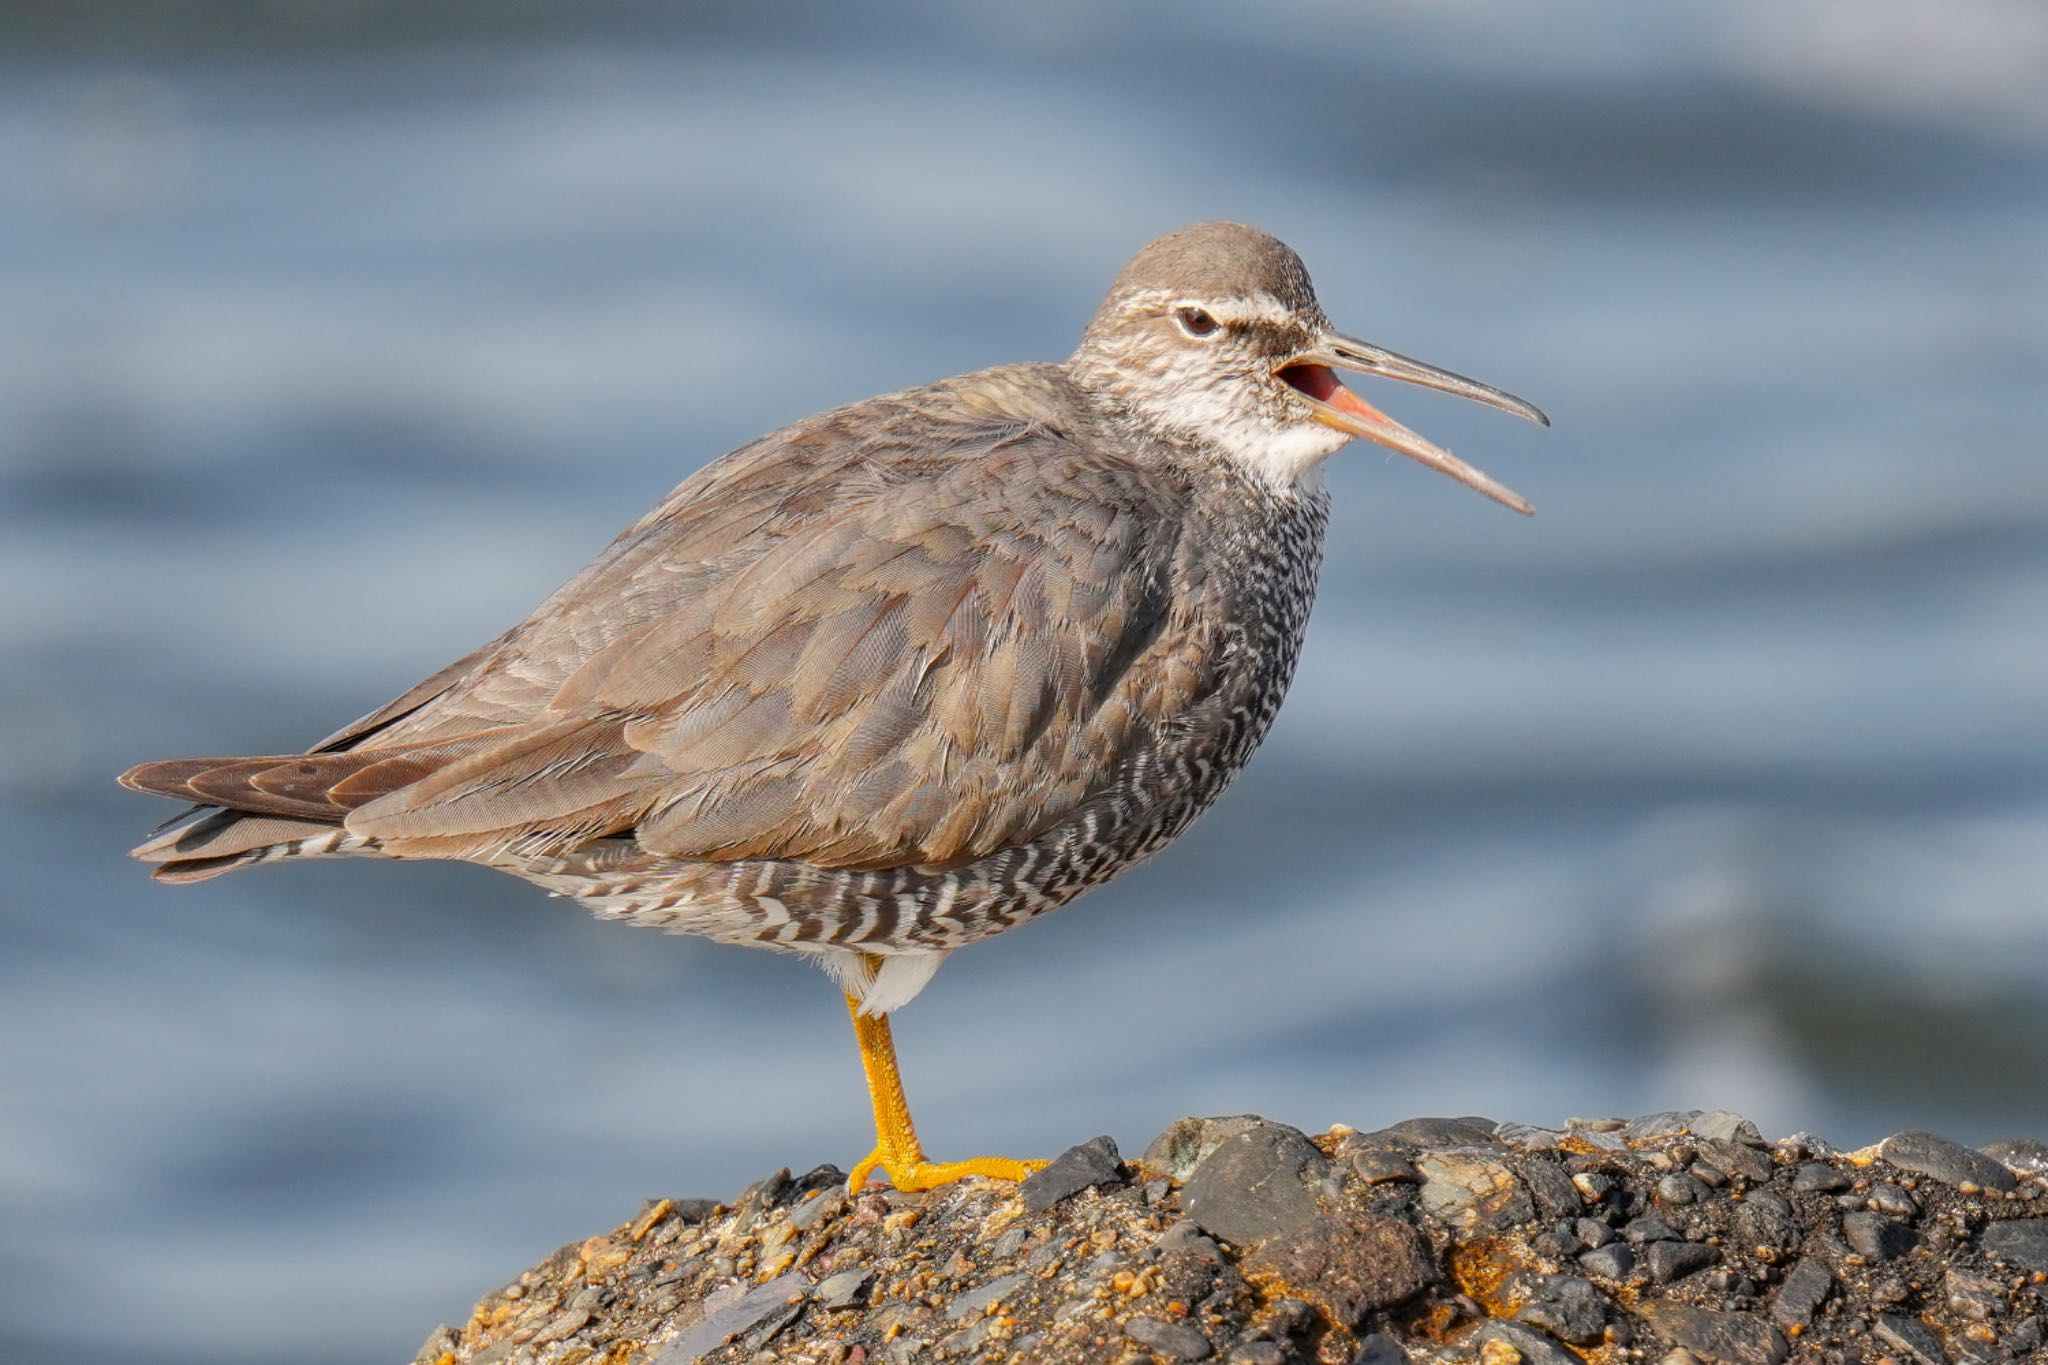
(253, 810)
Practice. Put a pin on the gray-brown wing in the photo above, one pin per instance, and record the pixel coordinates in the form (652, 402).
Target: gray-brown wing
(929, 661)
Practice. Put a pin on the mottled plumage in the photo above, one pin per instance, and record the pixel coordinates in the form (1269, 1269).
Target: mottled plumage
(895, 677)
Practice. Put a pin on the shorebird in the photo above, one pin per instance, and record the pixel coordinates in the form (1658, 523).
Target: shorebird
(899, 676)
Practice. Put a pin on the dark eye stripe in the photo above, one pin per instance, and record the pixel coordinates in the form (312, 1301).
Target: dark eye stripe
(1196, 322)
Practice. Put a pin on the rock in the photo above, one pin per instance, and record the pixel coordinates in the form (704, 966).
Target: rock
(977, 1302)
(1719, 1125)
(1818, 1178)
(1680, 1190)
(1174, 1340)
(1086, 1166)
(1876, 1237)
(1535, 1346)
(1471, 1191)
(1186, 1143)
(1910, 1336)
(845, 1289)
(1437, 1133)
(1949, 1162)
(1555, 1195)
(1669, 1261)
(1518, 1253)
(1650, 1127)
(743, 1314)
(2022, 1242)
(1611, 1262)
(1380, 1350)
(1805, 1289)
(1379, 1165)
(1567, 1307)
(2022, 1155)
(1720, 1338)
(1350, 1265)
(1255, 1185)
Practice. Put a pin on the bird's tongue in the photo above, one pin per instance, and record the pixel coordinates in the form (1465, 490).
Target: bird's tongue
(1320, 382)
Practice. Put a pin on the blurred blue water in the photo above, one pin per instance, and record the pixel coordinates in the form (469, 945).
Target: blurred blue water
(337, 333)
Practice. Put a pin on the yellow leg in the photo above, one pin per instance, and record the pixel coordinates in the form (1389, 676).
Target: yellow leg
(896, 1152)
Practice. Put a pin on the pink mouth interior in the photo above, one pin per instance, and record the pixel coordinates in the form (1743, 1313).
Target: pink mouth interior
(1320, 382)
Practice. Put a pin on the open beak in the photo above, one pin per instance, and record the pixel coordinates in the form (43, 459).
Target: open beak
(1312, 374)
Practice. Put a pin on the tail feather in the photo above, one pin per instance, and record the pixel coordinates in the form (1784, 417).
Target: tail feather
(207, 842)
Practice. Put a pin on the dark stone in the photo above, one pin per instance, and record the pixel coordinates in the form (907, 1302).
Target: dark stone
(1895, 1200)
(1377, 1165)
(1566, 1306)
(1912, 1336)
(1738, 1158)
(1717, 1337)
(743, 1314)
(1671, 1261)
(1351, 1265)
(1766, 1221)
(1876, 1237)
(1817, 1177)
(1378, 1349)
(1680, 1190)
(1174, 1340)
(1973, 1293)
(1642, 1230)
(1807, 1286)
(1090, 1164)
(2028, 1156)
(2022, 1242)
(1472, 1191)
(1255, 1185)
(1556, 1196)
(1525, 1137)
(1593, 1233)
(2027, 1334)
(1187, 1237)
(1611, 1262)
(1535, 1346)
(1949, 1162)
(1187, 1143)
(1470, 1131)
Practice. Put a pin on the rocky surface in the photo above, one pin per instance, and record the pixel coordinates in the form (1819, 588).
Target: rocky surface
(1682, 1239)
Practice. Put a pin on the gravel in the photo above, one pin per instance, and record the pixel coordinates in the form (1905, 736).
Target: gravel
(1443, 1241)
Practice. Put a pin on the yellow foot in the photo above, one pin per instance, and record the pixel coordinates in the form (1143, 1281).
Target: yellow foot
(919, 1174)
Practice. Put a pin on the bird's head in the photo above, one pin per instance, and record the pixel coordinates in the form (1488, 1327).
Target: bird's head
(1213, 333)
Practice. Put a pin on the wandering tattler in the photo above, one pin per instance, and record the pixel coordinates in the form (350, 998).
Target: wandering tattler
(899, 676)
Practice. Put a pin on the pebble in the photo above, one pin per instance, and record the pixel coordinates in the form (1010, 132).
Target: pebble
(1552, 1189)
(1639, 1231)
(1086, 1165)
(1566, 1306)
(843, 1290)
(1379, 1349)
(743, 1314)
(1470, 1190)
(1533, 1345)
(1817, 1178)
(1949, 1162)
(1174, 1340)
(2021, 1242)
(1352, 1265)
(1592, 1232)
(1680, 1190)
(1255, 1185)
(1378, 1165)
(2025, 1155)
(1669, 1261)
(1805, 1289)
(1911, 1336)
(1886, 1197)
(1611, 1262)
(1720, 1338)
(1876, 1237)
(1470, 1131)
(976, 1302)
(1186, 1143)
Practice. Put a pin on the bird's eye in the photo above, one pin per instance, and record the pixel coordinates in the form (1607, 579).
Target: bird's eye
(1196, 322)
